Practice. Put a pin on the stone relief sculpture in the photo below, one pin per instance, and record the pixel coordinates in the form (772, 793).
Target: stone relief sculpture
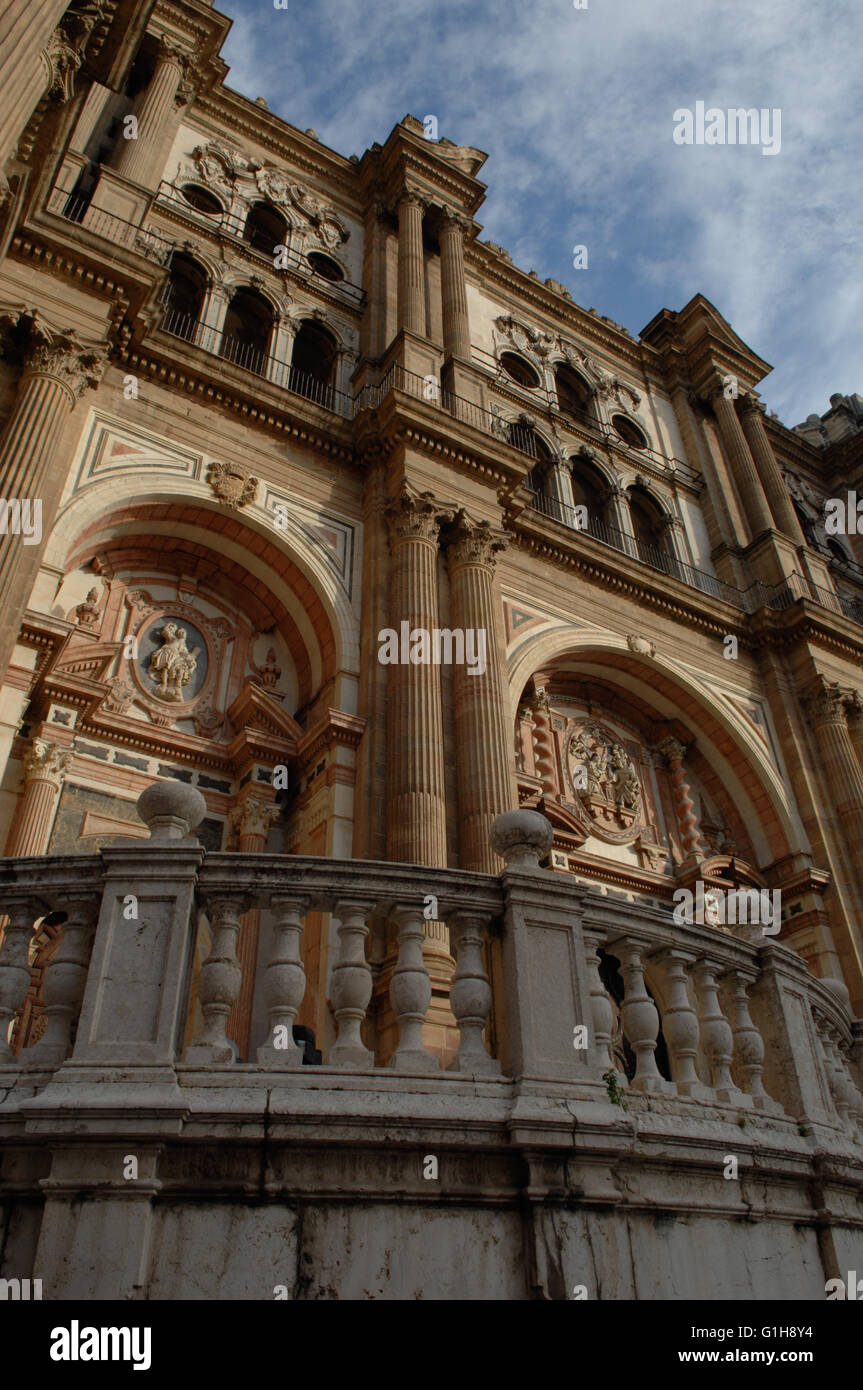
(172, 666)
(604, 779)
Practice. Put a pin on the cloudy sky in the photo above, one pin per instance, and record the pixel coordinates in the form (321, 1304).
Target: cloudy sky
(575, 110)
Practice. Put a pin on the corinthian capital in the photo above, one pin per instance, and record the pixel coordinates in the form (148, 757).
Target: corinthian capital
(455, 221)
(414, 517)
(409, 195)
(673, 750)
(46, 762)
(254, 817)
(472, 542)
(854, 708)
(47, 351)
(824, 702)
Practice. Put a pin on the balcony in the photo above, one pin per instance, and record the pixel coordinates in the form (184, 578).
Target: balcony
(146, 242)
(610, 1059)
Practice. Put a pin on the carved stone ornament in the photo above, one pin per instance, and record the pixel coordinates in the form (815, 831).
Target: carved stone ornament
(642, 646)
(254, 817)
(172, 666)
(180, 656)
(414, 516)
(825, 702)
(605, 782)
(269, 672)
(87, 613)
(64, 53)
(232, 485)
(530, 342)
(474, 542)
(120, 696)
(46, 761)
(45, 350)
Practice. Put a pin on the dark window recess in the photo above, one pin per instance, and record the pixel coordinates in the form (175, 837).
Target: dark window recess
(184, 295)
(92, 751)
(313, 362)
(320, 767)
(247, 331)
(305, 1038)
(180, 774)
(326, 268)
(244, 780)
(126, 760)
(201, 200)
(213, 784)
(210, 833)
(263, 774)
(265, 228)
(629, 433)
(519, 370)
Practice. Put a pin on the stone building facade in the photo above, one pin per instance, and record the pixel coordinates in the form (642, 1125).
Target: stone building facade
(262, 404)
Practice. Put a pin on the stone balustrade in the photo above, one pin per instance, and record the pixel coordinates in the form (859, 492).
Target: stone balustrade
(705, 1016)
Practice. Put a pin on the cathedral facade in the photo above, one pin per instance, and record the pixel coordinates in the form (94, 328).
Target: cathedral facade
(352, 537)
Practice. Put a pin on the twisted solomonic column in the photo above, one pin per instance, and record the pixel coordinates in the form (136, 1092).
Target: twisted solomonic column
(690, 835)
(482, 738)
(416, 806)
(57, 368)
(45, 767)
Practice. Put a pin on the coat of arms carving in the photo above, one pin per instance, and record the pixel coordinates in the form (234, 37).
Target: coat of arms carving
(605, 781)
(232, 484)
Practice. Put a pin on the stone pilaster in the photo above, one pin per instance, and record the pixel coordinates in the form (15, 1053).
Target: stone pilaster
(768, 471)
(416, 806)
(44, 770)
(825, 709)
(57, 368)
(759, 517)
(141, 160)
(484, 783)
(411, 302)
(456, 323)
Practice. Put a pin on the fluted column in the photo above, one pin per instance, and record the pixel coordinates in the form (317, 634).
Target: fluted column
(25, 71)
(66, 978)
(772, 481)
(45, 767)
(456, 323)
(410, 994)
(690, 835)
(479, 696)
(470, 997)
(416, 809)
(56, 369)
(15, 964)
(141, 160)
(251, 822)
(759, 517)
(854, 716)
(412, 298)
(825, 707)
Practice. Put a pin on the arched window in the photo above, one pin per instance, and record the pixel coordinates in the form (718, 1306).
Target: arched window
(326, 267)
(629, 432)
(184, 295)
(522, 435)
(265, 228)
(201, 200)
(313, 363)
(589, 490)
(807, 524)
(519, 369)
(573, 393)
(247, 331)
(650, 526)
(836, 550)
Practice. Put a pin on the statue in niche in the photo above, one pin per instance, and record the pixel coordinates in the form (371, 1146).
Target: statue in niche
(172, 666)
(604, 778)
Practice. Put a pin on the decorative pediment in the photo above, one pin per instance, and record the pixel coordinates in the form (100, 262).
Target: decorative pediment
(256, 710)
(515, 335)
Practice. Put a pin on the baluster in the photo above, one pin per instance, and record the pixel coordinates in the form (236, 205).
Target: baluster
(219, 981)
(470, 997)
(748, 1043)
(839, 1084)
(640, 1018)
(66, 979)
(15, 964)
(716, 1037)
(351, 986)
(410, 994)
(855, 1099)
(680, 1023)
(284, 982)
(601, 1012)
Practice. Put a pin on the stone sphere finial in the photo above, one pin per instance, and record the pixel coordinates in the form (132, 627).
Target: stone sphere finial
(522, 838)
(840, 989)
(171, 810)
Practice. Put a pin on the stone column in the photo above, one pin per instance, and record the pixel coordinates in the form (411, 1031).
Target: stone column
(250, 822)
(842, 775)
(44, 770)
(689, 833)
(57, 368)
(758, 515)
(484, 783)
(768, 470)
(141, 160)
(456, 324)
(15, 962)
(25, 72)
(412, 299)
(416, 805)
(543, 743)
(854, 715)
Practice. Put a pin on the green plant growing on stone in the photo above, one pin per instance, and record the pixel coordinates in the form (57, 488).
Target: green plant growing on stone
(615, 1095)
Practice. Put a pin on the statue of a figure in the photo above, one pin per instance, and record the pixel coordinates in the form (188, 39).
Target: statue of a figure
(625, 786)
(173, 665)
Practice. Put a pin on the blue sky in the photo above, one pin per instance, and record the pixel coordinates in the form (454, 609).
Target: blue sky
(575, 110)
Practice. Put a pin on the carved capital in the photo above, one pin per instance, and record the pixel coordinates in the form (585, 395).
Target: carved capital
(472, 542)
(824, 702)
(411, 197)
(254, 817)
(854, 709)
(453, 221)
(673, 750)
(46, 762)
(46, 351)
(414, 517)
